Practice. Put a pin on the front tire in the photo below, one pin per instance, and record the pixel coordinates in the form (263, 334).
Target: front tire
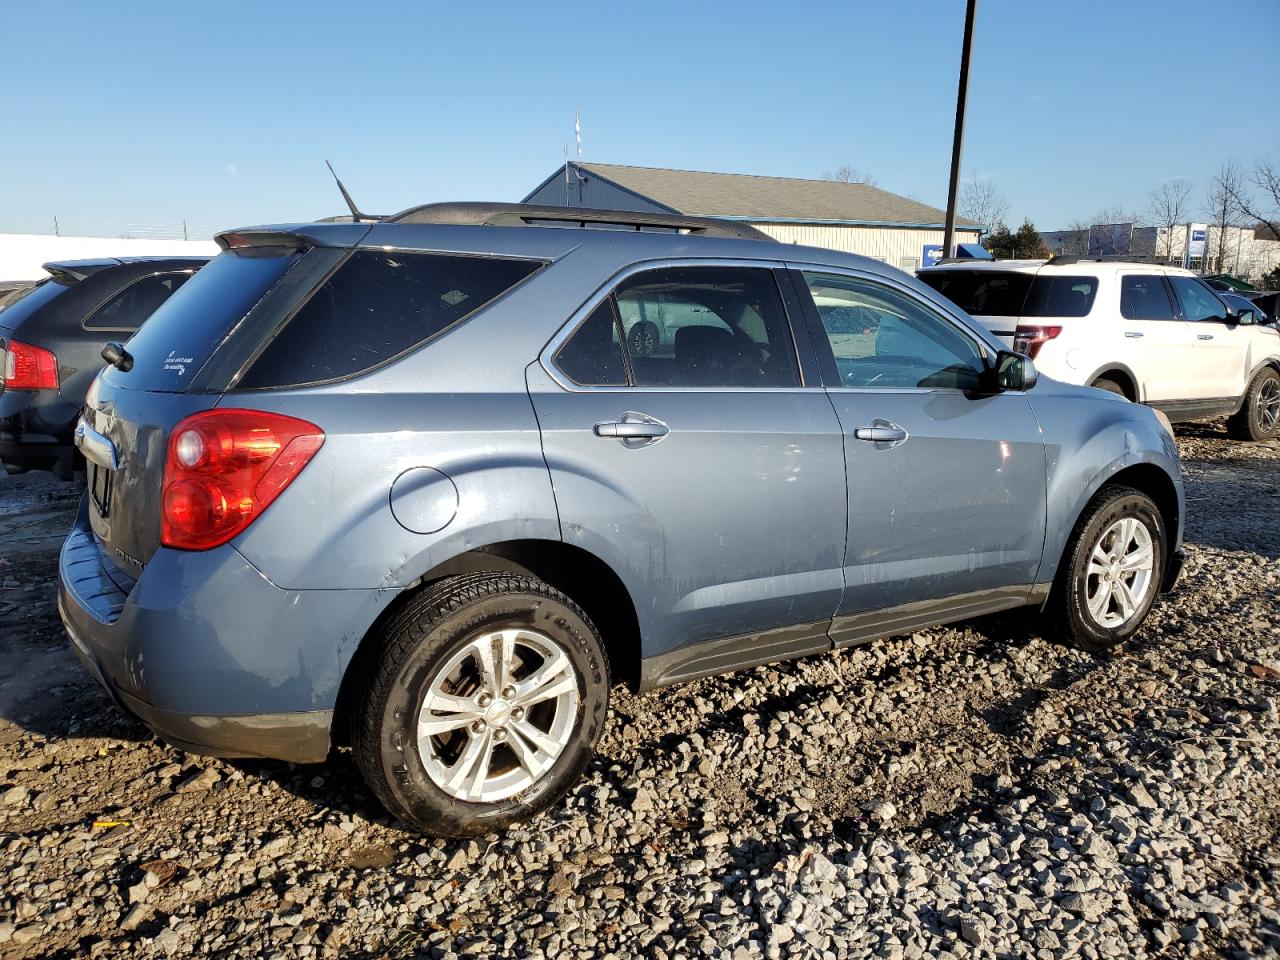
(1259, 417)
(485, 706)
(1112, 570)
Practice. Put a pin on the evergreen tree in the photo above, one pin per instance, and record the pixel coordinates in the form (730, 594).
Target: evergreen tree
(1029, 244)
(1000, 243)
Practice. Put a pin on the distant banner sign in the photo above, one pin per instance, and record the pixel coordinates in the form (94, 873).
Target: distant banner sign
(1196, 243)
(932, 254)
(1110, 239)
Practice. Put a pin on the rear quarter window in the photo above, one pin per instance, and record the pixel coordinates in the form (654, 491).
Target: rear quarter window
(1058, 295)
(375, 307)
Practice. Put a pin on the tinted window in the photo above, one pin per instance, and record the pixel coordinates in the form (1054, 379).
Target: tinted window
(132, 305)
(990, 293)
(29, 301)
(181, 335)
(593, 355)
(1143, 297)
(375, 307)
(883, 339)
(1056, 295)
(984, 293)
(707, 327)
(1198, 302)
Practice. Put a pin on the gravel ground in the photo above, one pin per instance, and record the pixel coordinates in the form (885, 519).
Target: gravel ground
(975, 790)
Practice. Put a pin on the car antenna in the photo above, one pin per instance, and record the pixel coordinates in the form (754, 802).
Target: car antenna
(356, 215)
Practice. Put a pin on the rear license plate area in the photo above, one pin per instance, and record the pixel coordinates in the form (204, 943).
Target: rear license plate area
(100, 484)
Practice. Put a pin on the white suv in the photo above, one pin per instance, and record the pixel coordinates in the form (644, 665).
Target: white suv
(1158, 335)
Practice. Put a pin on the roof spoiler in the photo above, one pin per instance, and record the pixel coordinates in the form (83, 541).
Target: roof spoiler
(533, 215)
(69, 271)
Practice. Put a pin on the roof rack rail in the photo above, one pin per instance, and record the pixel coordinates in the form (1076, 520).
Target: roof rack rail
(533, 215)
(1067, 258)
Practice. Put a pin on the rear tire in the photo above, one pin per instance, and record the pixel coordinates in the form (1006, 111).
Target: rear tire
(1259, 416)
(1112, 570)
(1104, 383)
(485, 704)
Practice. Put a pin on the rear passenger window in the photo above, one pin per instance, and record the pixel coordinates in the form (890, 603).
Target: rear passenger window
(132, 305)
(707, 327)
(376, 306)
(593, 355)
(1143, 297)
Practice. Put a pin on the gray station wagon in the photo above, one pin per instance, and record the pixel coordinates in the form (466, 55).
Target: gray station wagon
(404, 486)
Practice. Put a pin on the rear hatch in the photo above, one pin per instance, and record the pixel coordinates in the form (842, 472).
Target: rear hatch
(129, 413)
(1003, 300)
(18, 309)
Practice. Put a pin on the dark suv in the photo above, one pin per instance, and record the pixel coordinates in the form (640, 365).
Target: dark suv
(51, 340)
(408, 486)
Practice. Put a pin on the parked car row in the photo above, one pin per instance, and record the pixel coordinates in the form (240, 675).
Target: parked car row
(51, 339)
(1153, 334)
(418, 487)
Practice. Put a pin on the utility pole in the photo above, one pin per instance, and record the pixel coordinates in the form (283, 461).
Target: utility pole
(957, 145)
(55, 227)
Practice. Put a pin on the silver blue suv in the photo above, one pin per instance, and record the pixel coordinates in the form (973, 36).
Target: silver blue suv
(419, 487)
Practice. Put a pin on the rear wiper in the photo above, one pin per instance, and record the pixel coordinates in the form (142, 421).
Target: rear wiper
(116, 355)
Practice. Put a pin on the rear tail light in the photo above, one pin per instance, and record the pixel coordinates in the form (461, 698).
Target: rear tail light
(224, 467)
(1029, 340)
(29, 368)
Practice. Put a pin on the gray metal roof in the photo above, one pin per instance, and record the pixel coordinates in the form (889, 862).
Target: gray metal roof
(765, 199)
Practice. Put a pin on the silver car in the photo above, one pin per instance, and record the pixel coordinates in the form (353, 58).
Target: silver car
(404, 486)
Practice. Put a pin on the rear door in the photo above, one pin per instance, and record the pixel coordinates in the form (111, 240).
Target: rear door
(1152, 340)
(705, 469)
(1219, 365)
(946, 481)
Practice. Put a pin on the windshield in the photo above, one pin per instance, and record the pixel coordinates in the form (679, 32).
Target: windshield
(992, 293)
(182, 334)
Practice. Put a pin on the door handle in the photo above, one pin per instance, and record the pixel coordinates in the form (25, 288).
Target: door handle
(633, 429)
(1133, 334)
(882, 431)
(95, 447)
(1204, 336)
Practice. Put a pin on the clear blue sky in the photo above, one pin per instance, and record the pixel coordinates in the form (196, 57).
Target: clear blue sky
(130, 117)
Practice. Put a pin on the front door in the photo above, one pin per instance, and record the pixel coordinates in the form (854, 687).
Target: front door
(1219, 367)
(946, 482)
(697, 464)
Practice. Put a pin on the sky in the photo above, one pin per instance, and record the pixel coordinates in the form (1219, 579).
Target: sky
(129, 118)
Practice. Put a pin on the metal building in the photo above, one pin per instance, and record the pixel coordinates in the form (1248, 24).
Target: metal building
(854, 217)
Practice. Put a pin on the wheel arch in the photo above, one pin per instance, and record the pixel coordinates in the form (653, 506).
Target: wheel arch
(1120, 373)
(575, 572)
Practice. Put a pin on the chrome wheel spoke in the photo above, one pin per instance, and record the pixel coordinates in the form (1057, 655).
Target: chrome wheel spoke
(536, 737)
(1139, 559)
(471, 766)
(1124, 599)
(1100, 601)
(554, 678)
(433, 726)
(529, 755)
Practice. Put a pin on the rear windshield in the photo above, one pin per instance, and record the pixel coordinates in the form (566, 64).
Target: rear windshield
(17, 308)
(991, 293)
(376, 306)
(181, 335)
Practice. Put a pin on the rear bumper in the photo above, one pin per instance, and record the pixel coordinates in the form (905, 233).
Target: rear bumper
(210, 654)
(35, 431)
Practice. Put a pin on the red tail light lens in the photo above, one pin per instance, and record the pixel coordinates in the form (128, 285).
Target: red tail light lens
(1029, 340)
(29, 368)
(224, 467)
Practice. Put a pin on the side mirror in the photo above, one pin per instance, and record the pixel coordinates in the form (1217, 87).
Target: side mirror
(1014, 371)
(1246, 317)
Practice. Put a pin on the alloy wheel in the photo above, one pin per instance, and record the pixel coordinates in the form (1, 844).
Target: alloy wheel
(1120, 573)
(1268, 403)
(498, 715)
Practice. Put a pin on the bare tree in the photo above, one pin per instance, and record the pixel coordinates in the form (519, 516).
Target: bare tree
(1076, 239)
(848, 174)
(980, 201)
(1118, 214)
(1264, 206)
(1167, 205)
(1224, 210)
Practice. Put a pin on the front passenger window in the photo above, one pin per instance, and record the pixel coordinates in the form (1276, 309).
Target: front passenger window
(1196, 300)
(883, 339)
